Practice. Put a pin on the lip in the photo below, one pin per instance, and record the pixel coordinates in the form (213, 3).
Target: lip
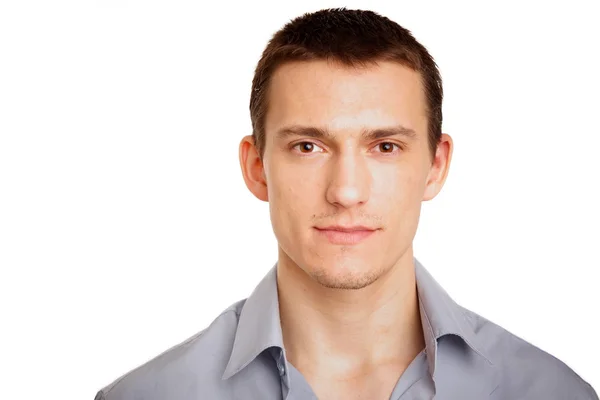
(345, 235)
(345, 228)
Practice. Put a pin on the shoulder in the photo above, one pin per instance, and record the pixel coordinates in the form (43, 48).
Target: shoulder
(189, 368)
(524, 370)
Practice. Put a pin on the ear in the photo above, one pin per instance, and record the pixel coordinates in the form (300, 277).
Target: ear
(252, 168)
(439, 168)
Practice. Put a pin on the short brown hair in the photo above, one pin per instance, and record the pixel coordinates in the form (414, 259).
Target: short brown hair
(354, 38)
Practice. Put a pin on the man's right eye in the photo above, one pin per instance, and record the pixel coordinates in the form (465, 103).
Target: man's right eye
(306, 147)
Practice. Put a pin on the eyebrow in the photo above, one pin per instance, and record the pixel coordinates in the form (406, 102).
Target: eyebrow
(367, 134)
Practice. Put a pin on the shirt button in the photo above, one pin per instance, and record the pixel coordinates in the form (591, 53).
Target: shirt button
(281, 369)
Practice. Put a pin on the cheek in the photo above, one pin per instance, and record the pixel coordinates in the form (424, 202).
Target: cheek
(293, 198)
(398, 194)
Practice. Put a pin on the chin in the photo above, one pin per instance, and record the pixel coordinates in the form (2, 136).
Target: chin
(339, 276)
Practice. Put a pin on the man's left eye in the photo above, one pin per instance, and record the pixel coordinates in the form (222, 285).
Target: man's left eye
(387, 147)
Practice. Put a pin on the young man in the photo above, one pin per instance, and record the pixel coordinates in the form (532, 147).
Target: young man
(346, 144)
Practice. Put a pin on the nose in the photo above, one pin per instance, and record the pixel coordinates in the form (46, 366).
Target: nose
(350, 181)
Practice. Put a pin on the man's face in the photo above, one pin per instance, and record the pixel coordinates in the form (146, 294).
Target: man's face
(316, 182)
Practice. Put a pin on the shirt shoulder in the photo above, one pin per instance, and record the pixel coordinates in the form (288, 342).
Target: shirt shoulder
(525, 370)
(184, 371)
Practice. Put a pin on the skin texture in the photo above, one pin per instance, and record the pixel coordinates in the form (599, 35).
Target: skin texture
(348, 312)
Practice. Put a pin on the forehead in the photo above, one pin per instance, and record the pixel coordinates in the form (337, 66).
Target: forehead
(318, 93)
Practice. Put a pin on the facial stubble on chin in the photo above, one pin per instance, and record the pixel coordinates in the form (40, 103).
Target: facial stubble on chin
(347, 281)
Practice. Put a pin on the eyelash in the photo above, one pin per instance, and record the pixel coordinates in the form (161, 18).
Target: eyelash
(400, 148)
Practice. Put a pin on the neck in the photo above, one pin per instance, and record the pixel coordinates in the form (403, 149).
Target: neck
(340, 332)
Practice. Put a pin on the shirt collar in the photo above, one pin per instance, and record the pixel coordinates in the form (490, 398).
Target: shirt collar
(259, 326)
(441, 316)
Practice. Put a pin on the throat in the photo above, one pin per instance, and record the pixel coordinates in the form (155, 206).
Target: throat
(373, 382)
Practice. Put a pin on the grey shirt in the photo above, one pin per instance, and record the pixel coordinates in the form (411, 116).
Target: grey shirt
(241, 356)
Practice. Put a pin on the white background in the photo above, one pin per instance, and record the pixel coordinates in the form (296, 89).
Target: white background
(125, 225)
